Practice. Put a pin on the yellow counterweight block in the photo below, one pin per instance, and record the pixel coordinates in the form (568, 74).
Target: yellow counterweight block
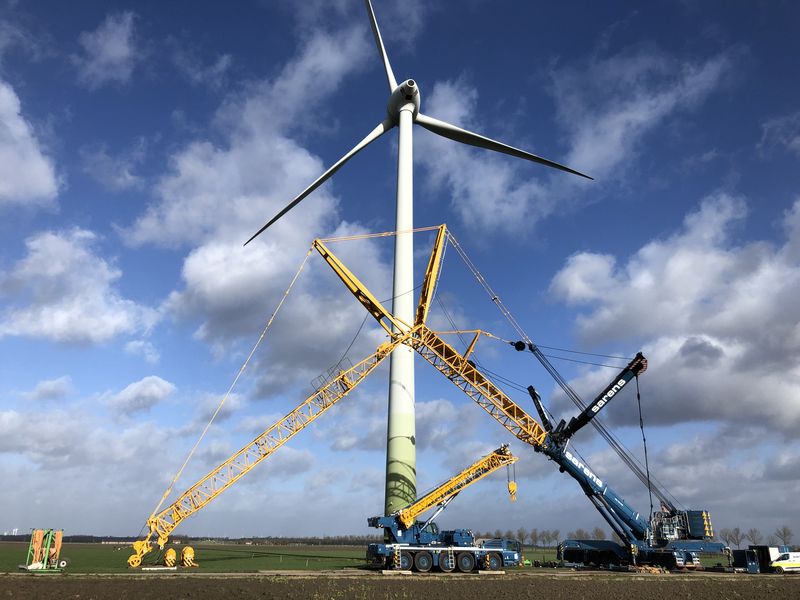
(187, 557)
(170, 557)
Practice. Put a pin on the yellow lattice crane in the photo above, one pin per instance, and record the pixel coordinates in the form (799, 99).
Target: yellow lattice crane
(161, 524)
(417, 335)
(435, 350)
(672, 537)
(448, 490)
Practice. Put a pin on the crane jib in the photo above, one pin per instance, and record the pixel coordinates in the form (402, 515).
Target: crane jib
(637, 366)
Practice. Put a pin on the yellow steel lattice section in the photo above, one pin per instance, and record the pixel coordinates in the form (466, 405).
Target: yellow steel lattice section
(477, 386)
(488, 464)
(438, 352)
(212, 485)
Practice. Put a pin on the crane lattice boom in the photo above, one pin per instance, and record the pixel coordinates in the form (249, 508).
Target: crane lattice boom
(478, 470)
(212, 485)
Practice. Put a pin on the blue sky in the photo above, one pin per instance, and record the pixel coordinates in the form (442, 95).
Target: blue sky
(143, 143)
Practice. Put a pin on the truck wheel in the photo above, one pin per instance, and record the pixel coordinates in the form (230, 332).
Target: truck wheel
(406, 561)
(465, 562)
(423, 561)
(495, 562)
(445, 564)
(779, 570)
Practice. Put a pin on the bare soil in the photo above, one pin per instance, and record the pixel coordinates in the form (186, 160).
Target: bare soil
(347, 583)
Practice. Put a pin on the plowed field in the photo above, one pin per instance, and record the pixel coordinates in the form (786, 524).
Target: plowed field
(357, 584)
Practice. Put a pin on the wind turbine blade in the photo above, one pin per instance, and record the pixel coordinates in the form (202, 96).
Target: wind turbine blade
(371, 137)
(379, 42)
(473, 139)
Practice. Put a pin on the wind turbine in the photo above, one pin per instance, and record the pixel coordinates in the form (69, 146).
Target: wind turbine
(403, 110)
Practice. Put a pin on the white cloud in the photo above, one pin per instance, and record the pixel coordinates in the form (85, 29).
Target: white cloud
(607, 106)
(144, 349)
(441, 421)
(486, 188)
(719, 321)
(109, 52)
(187, 60)
(54, 439)
(49, 389)
(141, 395)
(14, 34)
(65, 292)
(11, 35)
(115, 173)
(27, 174)
(744, 460)
(216, 193)
(400, 21)
(360, 423)
(783, 131)
(210, 406)
(612, 103)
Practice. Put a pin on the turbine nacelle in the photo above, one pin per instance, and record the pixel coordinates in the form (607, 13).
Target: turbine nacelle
(405, 93)
(405, 96)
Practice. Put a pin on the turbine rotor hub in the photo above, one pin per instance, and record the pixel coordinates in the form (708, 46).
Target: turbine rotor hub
(404, 94)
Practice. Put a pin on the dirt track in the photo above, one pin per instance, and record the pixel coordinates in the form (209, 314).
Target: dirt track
(347, 584)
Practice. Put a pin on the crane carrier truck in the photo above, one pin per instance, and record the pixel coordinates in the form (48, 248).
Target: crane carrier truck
(412, 544)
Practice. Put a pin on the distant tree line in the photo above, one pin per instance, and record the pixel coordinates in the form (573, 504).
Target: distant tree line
(734, 537)
(541, 537)
(535, 537)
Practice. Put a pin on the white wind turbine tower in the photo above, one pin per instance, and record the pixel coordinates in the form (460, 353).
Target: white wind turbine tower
(403, 110)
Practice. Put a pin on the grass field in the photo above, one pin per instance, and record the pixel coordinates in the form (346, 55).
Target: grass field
(215, 558)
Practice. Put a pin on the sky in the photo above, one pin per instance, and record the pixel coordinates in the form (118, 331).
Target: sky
(142, 143)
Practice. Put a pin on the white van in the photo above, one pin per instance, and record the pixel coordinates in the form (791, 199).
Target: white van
(786, 562)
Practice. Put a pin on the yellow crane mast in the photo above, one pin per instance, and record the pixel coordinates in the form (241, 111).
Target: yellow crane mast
(444, 493)
(161, 524)
(436, 351)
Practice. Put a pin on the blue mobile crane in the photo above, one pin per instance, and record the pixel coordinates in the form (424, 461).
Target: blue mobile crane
(421, 545)
(671, 537)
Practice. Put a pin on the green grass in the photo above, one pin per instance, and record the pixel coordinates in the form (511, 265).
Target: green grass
(540, 554)
(231, 558)
(212, 558)
(711, 560)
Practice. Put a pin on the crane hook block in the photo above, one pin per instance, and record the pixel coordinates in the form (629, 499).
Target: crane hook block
(512, 490)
